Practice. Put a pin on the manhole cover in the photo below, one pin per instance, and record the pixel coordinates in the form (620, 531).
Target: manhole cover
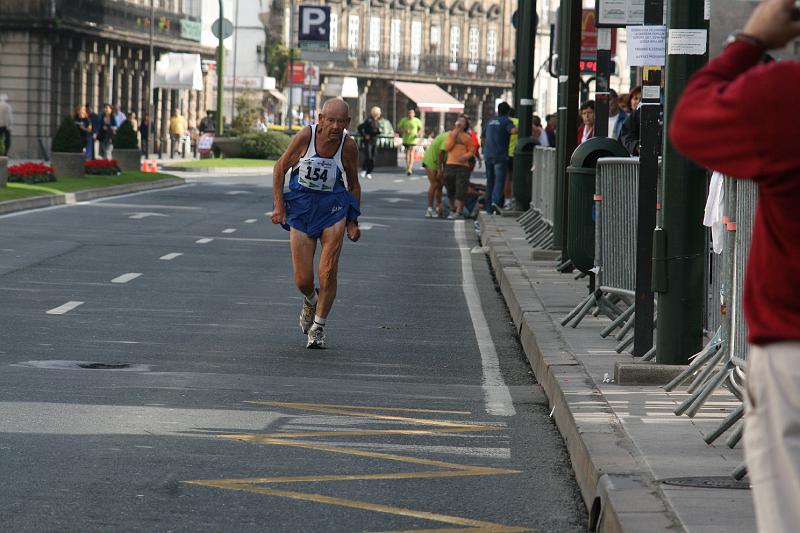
(708, 482)
(83, 365)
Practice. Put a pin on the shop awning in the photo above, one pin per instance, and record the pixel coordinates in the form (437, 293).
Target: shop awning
(429, 97)
(276, 94)
(346, 87)
(178, 71)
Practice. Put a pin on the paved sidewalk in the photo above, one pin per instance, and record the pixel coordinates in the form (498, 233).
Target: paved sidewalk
(623, 440)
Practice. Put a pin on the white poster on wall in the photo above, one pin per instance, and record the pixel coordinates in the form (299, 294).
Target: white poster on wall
(687, 42)
(647, 46)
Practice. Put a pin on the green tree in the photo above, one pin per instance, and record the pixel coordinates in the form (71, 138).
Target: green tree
(248, 111)
(278, 61)
(68, 137)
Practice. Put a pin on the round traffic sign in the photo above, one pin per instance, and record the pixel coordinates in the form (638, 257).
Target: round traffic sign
(227, 28)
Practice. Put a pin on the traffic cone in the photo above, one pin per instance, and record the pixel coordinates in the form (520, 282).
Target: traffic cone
(145, 168)
(153, 166)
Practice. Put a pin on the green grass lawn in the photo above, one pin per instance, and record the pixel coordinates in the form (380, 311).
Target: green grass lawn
(224, 163)
(13, 191)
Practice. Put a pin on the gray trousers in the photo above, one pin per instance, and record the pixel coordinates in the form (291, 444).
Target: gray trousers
(772, 435)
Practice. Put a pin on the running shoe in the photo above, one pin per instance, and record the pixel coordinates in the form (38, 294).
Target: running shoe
(307, 314)
(454, 216)
(363, 174)
(369, 176)
(408, 172)
(430, 213)
(316, 338)
(508, 204)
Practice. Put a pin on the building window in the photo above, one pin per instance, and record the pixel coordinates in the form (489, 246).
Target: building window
(416, 44)
(472, 48)
(374, 41)
(352, 36)
(491, 51)
(455, 46)
(334, 31)
(394, 44)
(436, 39)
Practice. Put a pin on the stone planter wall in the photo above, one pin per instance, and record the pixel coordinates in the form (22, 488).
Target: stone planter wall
(228, 146)
(128, 160)
(67, 164)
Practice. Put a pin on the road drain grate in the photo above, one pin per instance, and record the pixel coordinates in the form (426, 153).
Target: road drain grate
(707, 482)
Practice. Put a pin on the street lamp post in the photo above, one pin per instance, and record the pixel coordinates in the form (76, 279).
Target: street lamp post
(150, 103)
(220, 70)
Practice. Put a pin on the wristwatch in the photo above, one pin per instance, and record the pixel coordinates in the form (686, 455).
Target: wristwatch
(739, 35)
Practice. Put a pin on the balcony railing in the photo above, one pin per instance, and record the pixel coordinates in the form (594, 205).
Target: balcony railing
(99, 14)
(425, 64)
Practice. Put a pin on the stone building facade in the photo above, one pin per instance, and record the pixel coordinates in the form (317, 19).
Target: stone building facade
(57, 54)
(465, 47)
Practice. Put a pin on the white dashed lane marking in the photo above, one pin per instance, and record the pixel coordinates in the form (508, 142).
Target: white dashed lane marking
(63, 309)
(251, 221)
(204, 240)
(170, 257)
(229, 230)
(125, 278)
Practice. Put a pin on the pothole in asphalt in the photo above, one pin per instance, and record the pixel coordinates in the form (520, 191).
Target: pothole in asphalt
(83, 365)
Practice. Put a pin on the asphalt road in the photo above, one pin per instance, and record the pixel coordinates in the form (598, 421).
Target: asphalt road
(421, 416)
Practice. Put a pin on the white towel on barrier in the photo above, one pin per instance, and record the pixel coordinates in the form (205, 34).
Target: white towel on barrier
(714, 212)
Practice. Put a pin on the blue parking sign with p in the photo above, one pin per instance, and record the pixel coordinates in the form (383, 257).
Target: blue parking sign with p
(314, 27)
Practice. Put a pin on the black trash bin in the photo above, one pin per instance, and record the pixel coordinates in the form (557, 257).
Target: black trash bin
(522, 176)
(580, 208)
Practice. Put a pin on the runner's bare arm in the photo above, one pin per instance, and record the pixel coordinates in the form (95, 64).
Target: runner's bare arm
(289, 159)
(350, 162)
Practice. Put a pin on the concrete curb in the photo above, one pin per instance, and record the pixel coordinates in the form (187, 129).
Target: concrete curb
(617, 486)
(231, 171)
(38, 202)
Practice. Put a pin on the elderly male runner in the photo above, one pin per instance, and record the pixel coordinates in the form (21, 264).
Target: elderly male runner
(320, 205)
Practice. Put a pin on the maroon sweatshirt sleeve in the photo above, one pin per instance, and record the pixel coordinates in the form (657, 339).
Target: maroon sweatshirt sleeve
(729, 115)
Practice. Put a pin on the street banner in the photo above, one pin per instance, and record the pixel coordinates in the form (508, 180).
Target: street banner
(311, 76)
(296, 73)
(314, 27)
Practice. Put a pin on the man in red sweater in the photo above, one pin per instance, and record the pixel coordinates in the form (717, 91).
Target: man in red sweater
(717, 134)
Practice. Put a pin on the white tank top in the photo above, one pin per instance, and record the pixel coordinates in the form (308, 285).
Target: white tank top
(319, 173)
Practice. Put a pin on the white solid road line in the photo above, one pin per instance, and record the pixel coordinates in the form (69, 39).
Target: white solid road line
(495, 390)
(251, 221)
(229, 230)
(170, 257)
(63, 309)
(125, 278)
(204, 240)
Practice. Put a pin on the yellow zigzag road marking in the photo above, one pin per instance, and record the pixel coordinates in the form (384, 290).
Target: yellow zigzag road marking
(451, 470)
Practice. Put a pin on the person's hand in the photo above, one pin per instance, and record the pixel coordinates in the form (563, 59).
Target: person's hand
(279, 215)
(774, 22)
(353, 233)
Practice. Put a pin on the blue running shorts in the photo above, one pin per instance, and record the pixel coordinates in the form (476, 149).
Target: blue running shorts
(311, 212)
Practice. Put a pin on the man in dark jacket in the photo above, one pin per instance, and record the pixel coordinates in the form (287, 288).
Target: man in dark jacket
(369, 131)
(716, 135)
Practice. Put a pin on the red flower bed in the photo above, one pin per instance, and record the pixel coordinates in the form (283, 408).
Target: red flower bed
(31, 173)
(102, 167)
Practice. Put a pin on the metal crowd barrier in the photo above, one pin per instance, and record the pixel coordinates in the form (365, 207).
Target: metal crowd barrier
(616, 201)
(538, 220)
(723, 360)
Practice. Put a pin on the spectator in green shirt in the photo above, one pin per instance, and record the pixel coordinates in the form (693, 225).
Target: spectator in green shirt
(512, 146)
(433, 162)
(409, 127)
